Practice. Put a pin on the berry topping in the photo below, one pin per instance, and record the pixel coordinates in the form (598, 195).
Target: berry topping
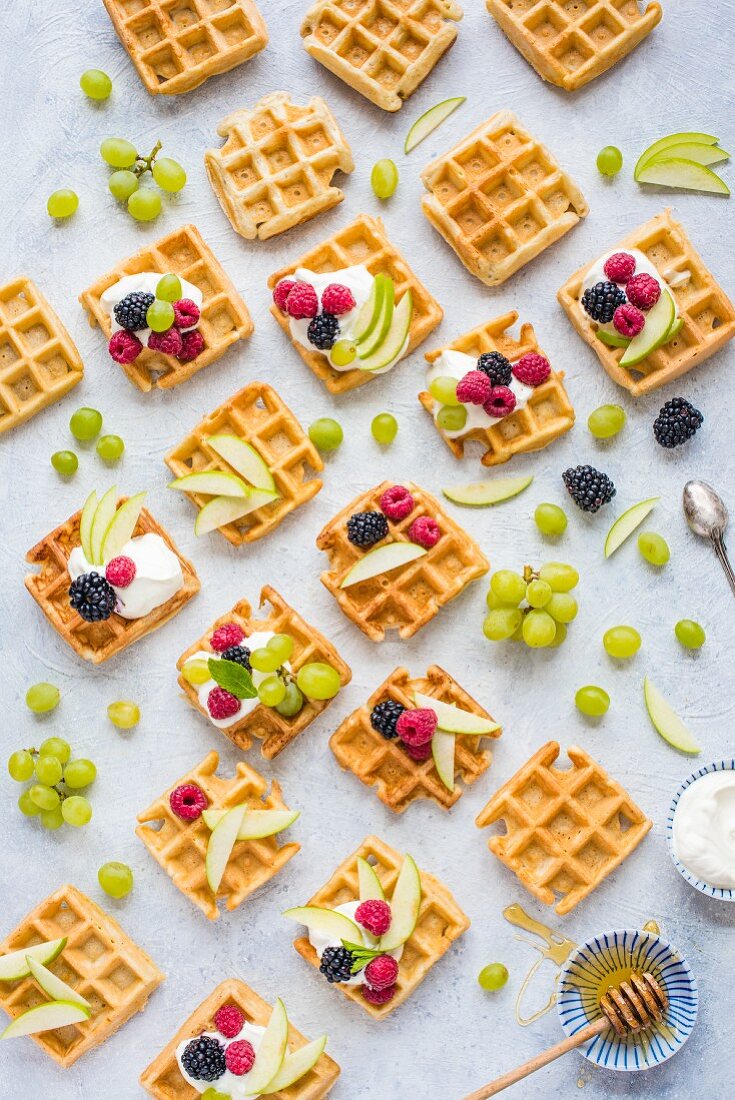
(496, 367)
(222, 704)
(204, 1059)
(589, 488)
(169, 342)
(131, 312)
(93, 597)
(532, 369)
(281, 292)
(416, 727)
(601, 300)
(383, 718)
(378, 996)
(366, 528)
(419, 753)
(302, 301)
(240, 1057)
(628, 320)
(619, 267)
(336, 964)
(225, 636)
(124, 347)
(323, 331)
(120, 571)
(229, 1020)
(643, 290)
(381, 972)
(186, 313)
(425, 532)
(501, 402)
(677, 421)
(240, 654)
(376, 917)
(396, 503)
(337, 299)
(192, 344)
(188, 802)
(474, 388)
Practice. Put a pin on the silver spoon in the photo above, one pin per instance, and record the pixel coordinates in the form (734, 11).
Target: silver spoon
(706, 514)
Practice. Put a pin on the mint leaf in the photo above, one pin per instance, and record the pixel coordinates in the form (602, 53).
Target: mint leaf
(363, 955)
(232, 677)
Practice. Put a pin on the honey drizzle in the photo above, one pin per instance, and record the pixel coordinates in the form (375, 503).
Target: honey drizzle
(557, 949)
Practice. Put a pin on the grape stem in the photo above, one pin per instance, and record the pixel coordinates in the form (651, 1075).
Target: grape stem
(145, 164)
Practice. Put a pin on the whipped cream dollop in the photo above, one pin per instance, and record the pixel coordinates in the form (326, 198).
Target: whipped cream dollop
(258, 640)
(145, 282)
(320, 943)
(456, 364)
(643, 265)
(158, 575)
(229, 1083)
(704, 829)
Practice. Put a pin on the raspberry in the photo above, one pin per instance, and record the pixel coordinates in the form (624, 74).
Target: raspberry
(302, 301)
(186, 313)
(500, 403)
(124, 347)
(378, 996)
(168, 342)
(281, 292)
(419, 753)
(192, 344)
(381, 973)
(474, 388)
(337, 299)
(396, 503)
(225, 636)
(120, 571)
(222, 704)
(628, 320)
(187, 802)
(619, 267)
(376, 917)
(643, 290)
(425, 532)
(229, 1020)
(532, 369)
(240, 1057)
(416, 727)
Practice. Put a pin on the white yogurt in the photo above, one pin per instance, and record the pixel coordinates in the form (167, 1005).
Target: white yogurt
(643, 265)
(456, 364)
(258, 640)
(145, 282)
(228, 1083)
(321, 943)
(704, 829)
(158, 575)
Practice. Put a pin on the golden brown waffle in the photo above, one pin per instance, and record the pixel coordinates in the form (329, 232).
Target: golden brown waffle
(96, 642)
(707, 312)
(385, 765)
(99, 961)
(259, 416)
(407, 598)
(224, 316)
(275, 168)
(440, 921)
(265, 723)
(163, 1080)
(178, 44)
(382, 49)
(566, 829)
(39, 362)
(180, 846)
(499, 198)
(570, 42)
(362, 242)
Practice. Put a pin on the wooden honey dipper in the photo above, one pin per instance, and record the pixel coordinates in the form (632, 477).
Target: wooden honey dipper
(634, 1005)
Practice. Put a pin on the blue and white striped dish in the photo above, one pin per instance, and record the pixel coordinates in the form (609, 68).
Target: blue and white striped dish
(606, 954)
(703, 887)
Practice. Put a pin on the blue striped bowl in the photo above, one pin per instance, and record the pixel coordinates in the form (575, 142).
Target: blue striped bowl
(703, 887)
(604, 956)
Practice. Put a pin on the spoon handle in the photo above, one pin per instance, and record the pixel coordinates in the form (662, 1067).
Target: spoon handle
(721, 550)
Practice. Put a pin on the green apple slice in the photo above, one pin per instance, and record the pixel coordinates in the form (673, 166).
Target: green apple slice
(216, 513)
(46, 1017)
(442, 749)
(371, 311)
(674, 331)
(658, 323)
(696, 151)
(243, 458)
(220, 845)
(667, 722)
(103, 517)
(382, 560)
(613, 339)
(369, 885)
(85, 525)
(122, 526)
(452, 719)
(325, 922)
(14, 966)
(296, 1065)
(215, 483)
(625, 525)
(378, 336)
(492, 491)
(255, 823)
(395, 339)
(429, 121)
(683, 174)
(667, 142)
(271, 1052)
(53, 986)
(404, 906)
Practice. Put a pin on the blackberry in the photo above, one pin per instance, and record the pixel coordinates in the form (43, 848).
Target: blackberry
(204, 1059)
(240, 654)
(384, 716)
(336, 964)
(677, 421)
(323, 331)
(366, 528)
(601, 300)
(131, 311)
(589, 488)
(496, 367)
(93, 597)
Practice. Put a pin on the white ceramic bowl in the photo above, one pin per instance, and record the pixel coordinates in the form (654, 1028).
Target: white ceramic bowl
(703, 887)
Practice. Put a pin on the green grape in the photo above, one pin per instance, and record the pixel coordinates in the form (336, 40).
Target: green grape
(292, 701)
(214, 1094)
(654, 548)
(592, 701)
(52, 819)
(272, 691)
(281, 645)
(621, 641)
(493, 977)
(384, 428)
(444, 389)
(41, 698)
(62, 203)
(48, 770)
(144, 204)
(539, 629)
(517, 635)
(689, 633)
(562, 607)
(265, 660)
(384, 178)
(27, 806)
(609, 160)
(326, 434)
(508, 586)
(65, 463)
(110, 448)
(85, 424)
(122, 184)
(56, 746)
(606, 421)
(118, 153)
(501, 622)
(494, 601)
(560, 577)
(561, 635)
(196, 672)
(124, 714)
(318, 680)
(95, 83)
(169, 289)
(550, 519)
(451, 418)
(20, 766)
(76, 810)
(44, 797)
(538, 594)
(160, 315)
(343, 353)
(169, 175)
(79, 773)
(116, 879)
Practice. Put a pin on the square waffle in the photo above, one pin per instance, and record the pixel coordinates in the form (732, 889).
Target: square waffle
(99, 961)
(385, 765)
(440, 921)
(499, 198)
(96, 642)
(547, 415)
(566, 828)
(362, 242)
(570, 42)
(39, 362)
(259, 416)
(407, 598)
(178, 44)
(381, 48)
(707, 312)
(265, 723)
(181, 846)
(163, 1080)
(224, 316)
(275, 168)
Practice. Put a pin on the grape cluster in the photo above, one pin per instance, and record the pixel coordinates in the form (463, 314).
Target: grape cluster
(85, 425)
(53, 778)
(534, 607)
(143, 203)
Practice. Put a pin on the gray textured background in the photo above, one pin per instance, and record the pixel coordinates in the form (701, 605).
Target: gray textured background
(450, 1037)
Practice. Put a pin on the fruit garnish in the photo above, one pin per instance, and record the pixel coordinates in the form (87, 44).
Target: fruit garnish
(343, 353)
(429, 120)
(144, 204)
(326, 433)
(405, 904)
(443, 745)
(663, 144)
(15, 965)
(667, 722)
(382, 560)
(121, 527)
(377, 333)
(220, 845)
(451, 418)
(95, 83)
(621, 641)
(103, 517)
(243, 458)
(62, 203)
(296, 1065)
(211, 483)
(452, 719)
(659, 322)
(653, 548)
(318, 680)
(609, 161)
(272, 691)
(550, 519)
(592, 701)
(391, 346)
(255, 823)
(52, 985)
(690, 633)
(325, 922)
(46, 1017)
(271, 1052)
(481, 493)
(625, 525)
(493, 977)
(384, 428)
(384, 178)
(227, 509)
(369, 885)
(612, 339)
(116, 879)
(685, 175)
(371, 311)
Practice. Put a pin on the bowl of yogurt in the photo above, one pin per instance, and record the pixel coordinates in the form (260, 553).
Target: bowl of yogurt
(700, 830)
